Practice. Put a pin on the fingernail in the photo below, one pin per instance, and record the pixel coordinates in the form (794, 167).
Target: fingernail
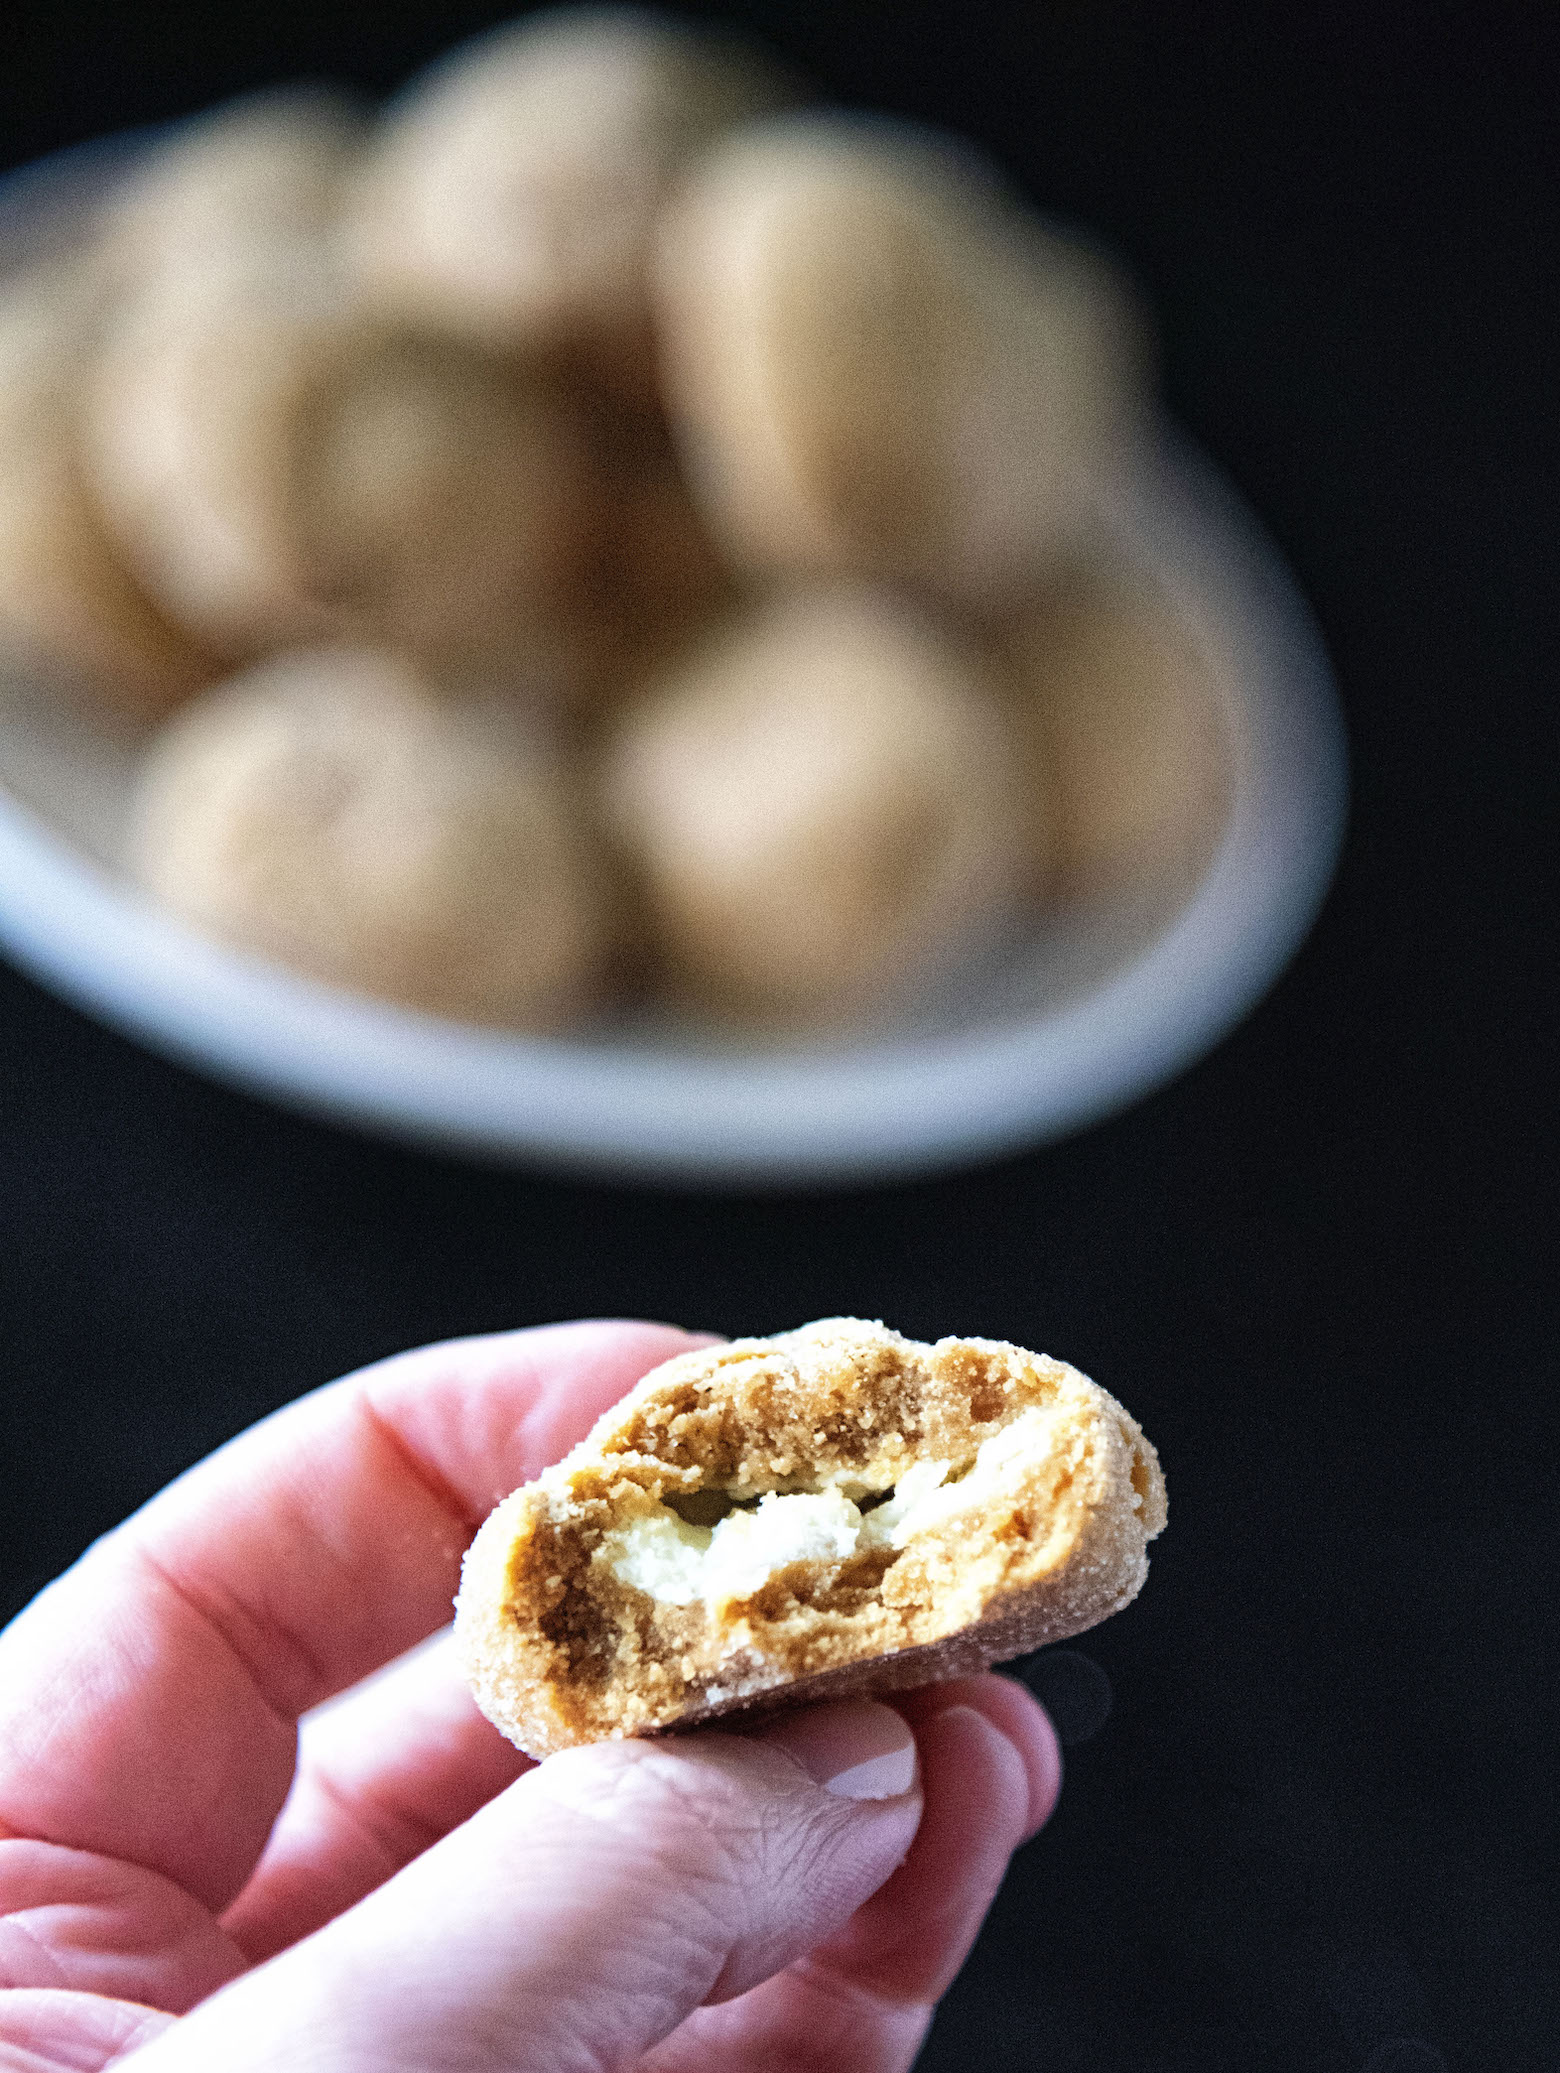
(857, 1750)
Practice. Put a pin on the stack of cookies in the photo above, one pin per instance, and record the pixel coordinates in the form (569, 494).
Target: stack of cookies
(601, 529)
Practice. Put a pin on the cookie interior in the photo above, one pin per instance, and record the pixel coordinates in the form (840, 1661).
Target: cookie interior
(776, 1510)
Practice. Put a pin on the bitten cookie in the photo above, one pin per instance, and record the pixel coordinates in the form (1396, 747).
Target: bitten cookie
(830, 1512)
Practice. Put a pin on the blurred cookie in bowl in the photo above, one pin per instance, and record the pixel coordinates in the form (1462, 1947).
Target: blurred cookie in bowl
(330, 811)
(71, 609)
(267, 170)
(1127, 716)
(657, 577)
(284, 466)
(462, 511)
(821, 808)
(877, 364)
(513, 192)
(194, 413)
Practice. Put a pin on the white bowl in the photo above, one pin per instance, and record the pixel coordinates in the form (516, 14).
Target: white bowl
(1078, 1019)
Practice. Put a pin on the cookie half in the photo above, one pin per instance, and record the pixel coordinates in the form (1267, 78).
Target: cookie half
(830, 1512)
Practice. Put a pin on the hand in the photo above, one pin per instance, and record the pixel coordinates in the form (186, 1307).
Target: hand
(188, 1879)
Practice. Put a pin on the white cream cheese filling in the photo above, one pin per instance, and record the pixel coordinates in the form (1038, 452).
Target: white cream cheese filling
(678, 1564)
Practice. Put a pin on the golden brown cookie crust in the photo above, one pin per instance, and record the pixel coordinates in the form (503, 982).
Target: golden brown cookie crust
(561, 1650)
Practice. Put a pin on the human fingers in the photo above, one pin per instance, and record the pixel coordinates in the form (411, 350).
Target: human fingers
(148, 1699)
(582, 1915)
(992, 1769)
(382, 1773)
(1015, 1711)
(861, 2002)
(93, 1925)
(52, 2030)
(386, 1770)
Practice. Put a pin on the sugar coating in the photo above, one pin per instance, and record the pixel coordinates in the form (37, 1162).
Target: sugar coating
(832, 1511)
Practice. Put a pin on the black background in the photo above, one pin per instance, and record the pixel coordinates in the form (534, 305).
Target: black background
(1321, 1267)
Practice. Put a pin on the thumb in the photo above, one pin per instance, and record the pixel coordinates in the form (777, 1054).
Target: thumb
(581, 1915)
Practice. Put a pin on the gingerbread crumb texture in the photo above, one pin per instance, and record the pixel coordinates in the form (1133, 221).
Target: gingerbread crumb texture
(830, 1512)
